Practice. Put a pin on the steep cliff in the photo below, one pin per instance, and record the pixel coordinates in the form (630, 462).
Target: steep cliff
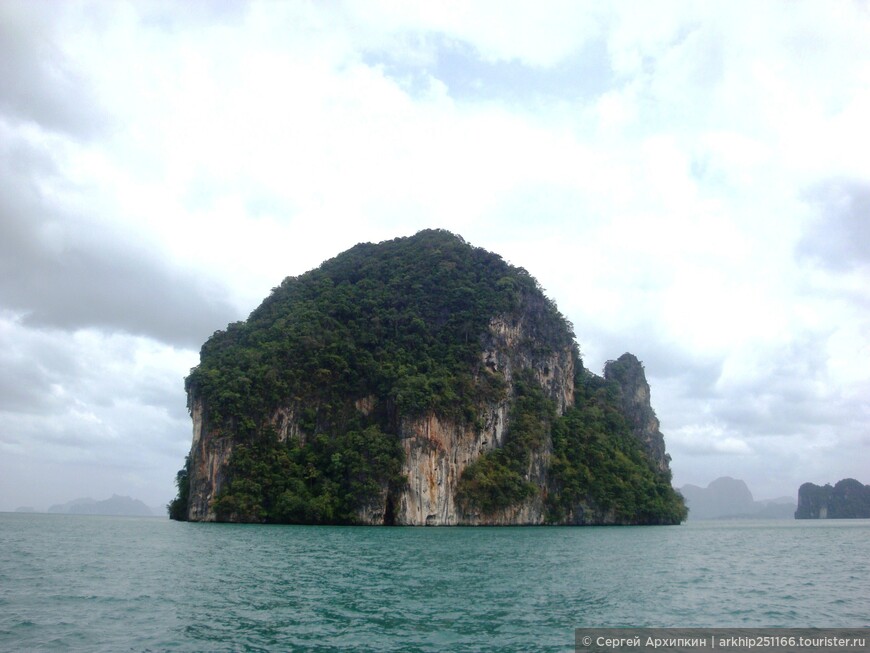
(416, 381)
(634, 397)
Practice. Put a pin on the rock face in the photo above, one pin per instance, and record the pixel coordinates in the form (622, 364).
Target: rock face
(628, 373)
(209, 456)
(367, 357)
(848, 499)
(437, 451)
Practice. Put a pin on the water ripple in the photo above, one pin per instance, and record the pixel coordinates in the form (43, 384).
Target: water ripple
(114, 584)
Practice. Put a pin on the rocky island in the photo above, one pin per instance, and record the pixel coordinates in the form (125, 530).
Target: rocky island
(418, 381)
(848, 499)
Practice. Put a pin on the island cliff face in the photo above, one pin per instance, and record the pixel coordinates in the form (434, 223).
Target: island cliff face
(417, 382)
(634, 398)
(438, 451)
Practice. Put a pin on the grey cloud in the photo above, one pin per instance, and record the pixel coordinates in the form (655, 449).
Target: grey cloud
(37, 83)
(773, 414)
(25, 388)
(782, 405)
(26, 380)
(101, 403)
(134, 452)
(123, 289)
(33, 364)
(89, 402)
(662, 358)
(839, 237)
(58, 273)
(40, 84)
(784, 394)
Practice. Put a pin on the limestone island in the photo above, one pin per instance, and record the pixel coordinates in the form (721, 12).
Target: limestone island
(418, 381)
(848, 499)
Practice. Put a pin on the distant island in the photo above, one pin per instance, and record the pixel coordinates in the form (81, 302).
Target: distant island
(848, 499)
(115, 505)
(418, 381)
(730, 498)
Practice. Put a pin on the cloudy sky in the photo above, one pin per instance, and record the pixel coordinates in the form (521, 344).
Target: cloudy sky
(688, 181)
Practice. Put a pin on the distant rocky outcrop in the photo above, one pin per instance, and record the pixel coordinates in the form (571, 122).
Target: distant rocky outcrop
(848, 499)
(116, 505)
(730, 498)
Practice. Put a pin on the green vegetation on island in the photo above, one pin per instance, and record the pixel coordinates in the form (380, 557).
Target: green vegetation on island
(497, 479)
(599, 463)
(400, 320)
(177, 508)
(324, 481)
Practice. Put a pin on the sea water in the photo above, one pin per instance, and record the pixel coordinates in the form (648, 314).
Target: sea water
(140, 584)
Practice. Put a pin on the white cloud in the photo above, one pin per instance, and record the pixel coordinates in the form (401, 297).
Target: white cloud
(171, 164)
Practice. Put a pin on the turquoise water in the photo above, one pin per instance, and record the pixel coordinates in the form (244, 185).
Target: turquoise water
(130, 584)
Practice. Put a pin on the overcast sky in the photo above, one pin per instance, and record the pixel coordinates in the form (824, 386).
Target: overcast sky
(689, 182)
